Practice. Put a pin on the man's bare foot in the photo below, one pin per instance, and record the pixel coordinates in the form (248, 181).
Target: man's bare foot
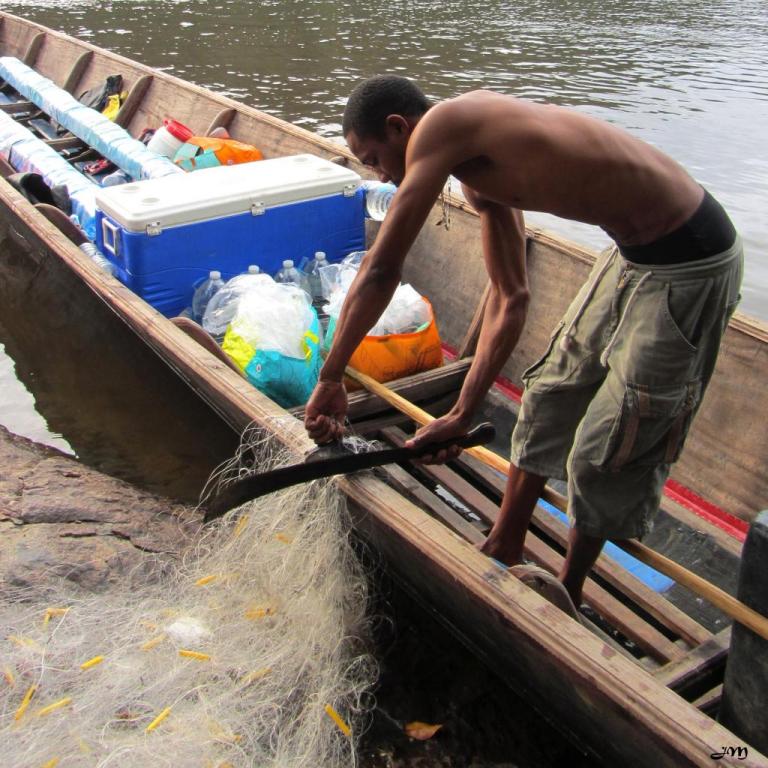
(503, 554)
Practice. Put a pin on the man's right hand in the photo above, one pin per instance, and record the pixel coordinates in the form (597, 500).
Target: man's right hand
(326, 411)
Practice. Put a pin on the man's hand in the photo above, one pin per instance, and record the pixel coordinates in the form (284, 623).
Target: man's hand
(325, 412)
(439, 431)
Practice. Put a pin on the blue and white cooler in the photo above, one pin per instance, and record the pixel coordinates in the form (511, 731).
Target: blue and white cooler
(165, 235)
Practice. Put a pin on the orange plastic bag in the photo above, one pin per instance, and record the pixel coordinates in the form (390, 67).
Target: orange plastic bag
(206, 152)
(385, 358)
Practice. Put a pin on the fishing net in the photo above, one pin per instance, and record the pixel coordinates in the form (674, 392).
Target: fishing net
(249, 651)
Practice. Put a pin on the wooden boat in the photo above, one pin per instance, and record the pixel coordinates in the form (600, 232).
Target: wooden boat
(650, 705)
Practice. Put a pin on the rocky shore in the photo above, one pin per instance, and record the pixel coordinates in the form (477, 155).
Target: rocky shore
(62, 520)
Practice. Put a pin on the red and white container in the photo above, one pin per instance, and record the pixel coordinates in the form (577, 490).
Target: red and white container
(169, 137)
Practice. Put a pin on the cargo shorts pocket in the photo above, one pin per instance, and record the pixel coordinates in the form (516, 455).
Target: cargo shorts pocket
(531, 373)
(650, 426)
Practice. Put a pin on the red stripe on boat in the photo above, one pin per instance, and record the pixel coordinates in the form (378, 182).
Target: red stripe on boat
(700, 507)
(735, 526)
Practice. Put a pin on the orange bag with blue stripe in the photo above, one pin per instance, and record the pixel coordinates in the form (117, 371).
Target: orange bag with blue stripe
(207, 152)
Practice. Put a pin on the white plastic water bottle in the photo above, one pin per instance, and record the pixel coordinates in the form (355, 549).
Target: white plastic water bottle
(289, 274)
(312, 271)
(97, 257)
(204, 293)
(378, 198)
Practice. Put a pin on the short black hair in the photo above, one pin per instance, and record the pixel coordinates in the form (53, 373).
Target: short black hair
(373, 100)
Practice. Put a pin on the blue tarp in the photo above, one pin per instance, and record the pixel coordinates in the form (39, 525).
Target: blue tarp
(96, 130)
(25, 152)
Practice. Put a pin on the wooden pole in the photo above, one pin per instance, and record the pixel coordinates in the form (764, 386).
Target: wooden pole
(718, 597)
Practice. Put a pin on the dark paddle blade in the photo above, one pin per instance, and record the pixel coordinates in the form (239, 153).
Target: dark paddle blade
(337, 463)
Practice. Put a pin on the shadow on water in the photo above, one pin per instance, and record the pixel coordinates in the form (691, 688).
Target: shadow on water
(103, 392)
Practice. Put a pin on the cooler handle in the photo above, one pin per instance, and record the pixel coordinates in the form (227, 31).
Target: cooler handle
(111, 236)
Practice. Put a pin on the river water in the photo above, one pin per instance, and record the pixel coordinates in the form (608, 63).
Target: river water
(688, 77)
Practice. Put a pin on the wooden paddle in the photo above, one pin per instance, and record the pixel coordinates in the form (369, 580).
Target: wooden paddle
(719, 598)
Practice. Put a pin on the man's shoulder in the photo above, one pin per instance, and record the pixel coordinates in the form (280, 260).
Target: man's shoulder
(476, 106)
(459, 112)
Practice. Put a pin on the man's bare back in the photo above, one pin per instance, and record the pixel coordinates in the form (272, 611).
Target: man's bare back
(546, 158)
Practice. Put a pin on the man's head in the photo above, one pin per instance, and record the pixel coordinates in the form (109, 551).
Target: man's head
(378, 120)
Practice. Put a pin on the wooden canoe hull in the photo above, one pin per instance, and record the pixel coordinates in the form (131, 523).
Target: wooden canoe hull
(618, 709)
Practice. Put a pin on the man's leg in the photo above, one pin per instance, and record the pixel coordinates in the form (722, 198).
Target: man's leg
(583, 550)
(507, 537)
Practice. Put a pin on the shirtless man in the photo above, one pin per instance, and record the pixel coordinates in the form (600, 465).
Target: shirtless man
(609, 404)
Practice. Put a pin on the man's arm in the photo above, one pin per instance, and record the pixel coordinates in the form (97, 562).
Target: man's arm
(381, 270)
(372, 290)
(503, 238)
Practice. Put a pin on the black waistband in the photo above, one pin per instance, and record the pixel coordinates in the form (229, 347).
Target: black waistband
(708, 232)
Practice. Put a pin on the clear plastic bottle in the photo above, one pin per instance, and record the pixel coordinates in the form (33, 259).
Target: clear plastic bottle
(204, 293)
(312, 272)
(97, 257)
(378, 198)
(289, 274)
(116, 177)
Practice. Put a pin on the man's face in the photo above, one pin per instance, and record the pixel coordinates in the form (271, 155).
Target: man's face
(385, 157)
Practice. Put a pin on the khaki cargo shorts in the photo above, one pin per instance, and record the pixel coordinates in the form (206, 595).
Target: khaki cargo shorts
(608, 407)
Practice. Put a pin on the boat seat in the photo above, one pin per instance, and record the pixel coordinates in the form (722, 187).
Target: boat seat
(204, 339)
(43, 127)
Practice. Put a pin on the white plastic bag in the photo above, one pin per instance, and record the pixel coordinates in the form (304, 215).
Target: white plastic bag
(406, 311)
(223, 306)
(275, 317)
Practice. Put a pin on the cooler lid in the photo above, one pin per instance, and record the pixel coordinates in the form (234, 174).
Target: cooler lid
(225, 190)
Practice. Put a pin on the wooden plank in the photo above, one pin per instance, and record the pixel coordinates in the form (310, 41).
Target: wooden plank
(76, 72)
(411, 488)
(371, 427)
(446, 379)
(646, 598)
(18, 107)
(697, 663)
(650, 640)
(469, 342)
(709, 702)
(31, 54)
(66, 142)
(135, 98)
(438, 381)
(223, 119)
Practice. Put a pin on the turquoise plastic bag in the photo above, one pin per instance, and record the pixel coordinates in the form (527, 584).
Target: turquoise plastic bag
(289, 381)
